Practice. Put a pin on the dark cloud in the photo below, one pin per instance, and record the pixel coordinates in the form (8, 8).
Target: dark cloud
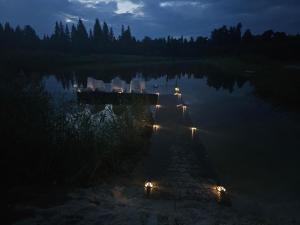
(157, 17)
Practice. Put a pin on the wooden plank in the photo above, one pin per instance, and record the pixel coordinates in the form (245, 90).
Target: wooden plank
(97, 97)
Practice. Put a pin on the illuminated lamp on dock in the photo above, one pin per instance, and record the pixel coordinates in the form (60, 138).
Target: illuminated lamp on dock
(148, 187)
(158, 106)
(220, 189)
(222, 195)
(156, 127)
(194, 130)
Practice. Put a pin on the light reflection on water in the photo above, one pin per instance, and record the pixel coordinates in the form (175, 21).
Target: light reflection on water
(254, 148)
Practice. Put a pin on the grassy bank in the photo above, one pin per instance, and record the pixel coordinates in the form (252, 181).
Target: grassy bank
(69, 144)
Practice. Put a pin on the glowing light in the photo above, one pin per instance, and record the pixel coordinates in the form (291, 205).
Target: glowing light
(158, 106)
(156, 127)
(148, 185)
(120, 91)
(220, 189)
(157, 93)
(177, 94)
(79, 91)
(177, 89)
(194, 130)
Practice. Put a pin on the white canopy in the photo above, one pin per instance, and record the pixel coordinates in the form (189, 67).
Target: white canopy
(137, 85)
(94, 84)
(118, 85)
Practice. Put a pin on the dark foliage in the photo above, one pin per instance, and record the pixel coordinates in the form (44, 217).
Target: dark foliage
(101, 39)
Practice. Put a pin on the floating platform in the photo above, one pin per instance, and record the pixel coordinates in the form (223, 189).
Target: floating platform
(99, 97)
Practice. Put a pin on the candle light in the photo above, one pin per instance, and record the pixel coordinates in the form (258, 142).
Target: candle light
(156, 127)
(194, 130)
(220, 189)
(148, 187)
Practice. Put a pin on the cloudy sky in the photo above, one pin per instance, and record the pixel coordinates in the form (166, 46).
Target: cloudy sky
(157, 17)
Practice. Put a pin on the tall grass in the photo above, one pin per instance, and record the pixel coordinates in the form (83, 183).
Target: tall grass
(70, 144)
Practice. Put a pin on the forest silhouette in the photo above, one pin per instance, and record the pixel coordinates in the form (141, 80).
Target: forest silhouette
(77, 39)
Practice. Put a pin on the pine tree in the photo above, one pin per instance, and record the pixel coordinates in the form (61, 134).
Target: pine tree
(105, 32)
(122, 30)
(247, 37)
(98, 34)
(73, 32)
(8, 36)
(111, 34)
(81, 32)
(67, 34)
(56, 35)
(1, 35)
(31, 40)
(61, 30)
(91, 36)
(80, 37)
(1, 29)
(128, 34)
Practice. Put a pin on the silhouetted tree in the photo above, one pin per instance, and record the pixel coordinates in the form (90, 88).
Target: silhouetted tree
(248, 37)
(101, 39)
(98, 36)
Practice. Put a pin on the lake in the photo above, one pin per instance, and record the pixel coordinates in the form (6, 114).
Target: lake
(253, 145)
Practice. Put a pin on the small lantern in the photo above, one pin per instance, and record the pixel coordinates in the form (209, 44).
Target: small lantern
(148, 187)
(156, 127)
(222, 196)
(158, 106)
(220, 189)
(194, 130)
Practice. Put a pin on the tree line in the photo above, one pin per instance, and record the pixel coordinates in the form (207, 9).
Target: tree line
(101, 40)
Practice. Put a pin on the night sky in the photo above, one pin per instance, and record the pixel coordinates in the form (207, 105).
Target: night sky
(157, 17)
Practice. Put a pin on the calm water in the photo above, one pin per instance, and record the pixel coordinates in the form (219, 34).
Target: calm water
(254, 148)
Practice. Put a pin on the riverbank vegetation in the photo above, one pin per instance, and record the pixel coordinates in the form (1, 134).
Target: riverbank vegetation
(66, 144)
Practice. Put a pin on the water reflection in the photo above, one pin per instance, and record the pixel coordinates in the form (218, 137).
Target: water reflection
(250, 144)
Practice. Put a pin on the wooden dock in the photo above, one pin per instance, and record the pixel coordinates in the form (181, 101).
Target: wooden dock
(177, 162)
(99, 97)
